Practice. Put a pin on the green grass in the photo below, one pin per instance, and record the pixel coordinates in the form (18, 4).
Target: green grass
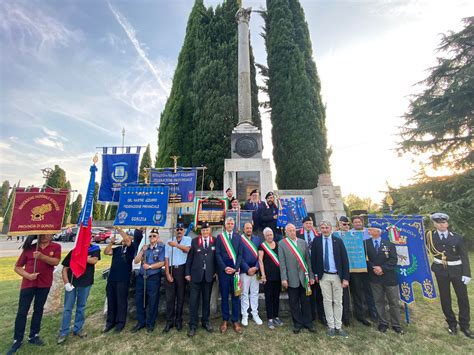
(426, 334)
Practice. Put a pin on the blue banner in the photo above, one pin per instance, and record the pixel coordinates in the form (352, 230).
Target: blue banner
(182, 184)
(354, 243)
(117, 170)
(86, 211)
(240, 218)
(142, 206)
(291, 210)
(407, 233)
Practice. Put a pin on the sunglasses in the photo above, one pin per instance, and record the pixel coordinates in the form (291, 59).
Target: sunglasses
(345, 224)
(179, 229)
(153, 235)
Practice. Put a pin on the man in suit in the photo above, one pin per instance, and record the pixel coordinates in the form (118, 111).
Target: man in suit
(229, 258)
(268, 214)
(297, 277)
(381, 262)
(309, 234)
(344, 226)
(331, 266)
(200, 270)
(450, 266)
(254, 204)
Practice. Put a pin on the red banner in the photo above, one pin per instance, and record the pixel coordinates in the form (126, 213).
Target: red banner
(37, 211)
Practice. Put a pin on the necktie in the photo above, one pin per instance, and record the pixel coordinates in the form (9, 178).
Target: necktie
(326, 254)
(205, 243)
(310, 242)
(376, 245)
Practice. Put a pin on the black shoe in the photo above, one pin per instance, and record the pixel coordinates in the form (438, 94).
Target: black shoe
(382, 328)
(364, 322)
(15, 346)
(107, 328)
(179, 326)
(191, 332)
(296, 330)
(167, 327)
(311, 330)
(118, 330)
(137, 328)
(346, 323)
(208, 327)
(398, 330)
(36, 340)
(452, 330)
(323, 321)
(150, 329)
(467, 332)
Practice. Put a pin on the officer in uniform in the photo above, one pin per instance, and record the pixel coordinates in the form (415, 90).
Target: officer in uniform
(450, 266)
(200, 271)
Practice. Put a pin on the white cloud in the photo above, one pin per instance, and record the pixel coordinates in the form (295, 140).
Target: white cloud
(49, 142)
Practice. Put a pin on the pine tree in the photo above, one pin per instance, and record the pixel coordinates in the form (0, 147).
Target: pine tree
(4, 193)
(76, 209)
(57, 178)
(297, 113)
(145, 164)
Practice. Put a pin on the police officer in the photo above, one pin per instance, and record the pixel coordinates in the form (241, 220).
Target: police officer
(152, 259)
(200, 272)
(450, 266)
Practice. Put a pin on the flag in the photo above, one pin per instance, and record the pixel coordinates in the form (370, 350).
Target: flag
(83, 238)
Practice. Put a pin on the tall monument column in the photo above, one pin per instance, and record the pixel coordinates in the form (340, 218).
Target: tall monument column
(245, 107)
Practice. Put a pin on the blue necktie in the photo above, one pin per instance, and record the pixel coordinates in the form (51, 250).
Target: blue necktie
(326, 254)
(376, 245)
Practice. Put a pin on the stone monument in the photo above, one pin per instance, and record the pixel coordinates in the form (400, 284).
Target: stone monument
(246, 170)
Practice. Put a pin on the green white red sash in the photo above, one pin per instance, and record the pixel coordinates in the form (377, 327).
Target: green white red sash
(250, 245)
(297, 253)
(271, 253)
(232, 255)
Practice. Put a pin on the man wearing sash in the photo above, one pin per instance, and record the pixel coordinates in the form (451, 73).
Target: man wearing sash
(200, 271)
(248, 274)
(229, 258)
(297, 277)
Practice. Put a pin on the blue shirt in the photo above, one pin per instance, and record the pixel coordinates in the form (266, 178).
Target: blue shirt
(332, 263)
(153, 256)
(175, 255)
(248, 257)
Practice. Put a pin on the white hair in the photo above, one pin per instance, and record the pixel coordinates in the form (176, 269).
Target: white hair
(325, 223)
(289, 225)
(229, 219)
(267, 230)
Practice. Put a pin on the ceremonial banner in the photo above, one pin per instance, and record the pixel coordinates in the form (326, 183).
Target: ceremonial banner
(291, 210)
(211, 210)
(37, 211)
(117, 170)
(240, 219)
(407, 233)
(142, 206)
(182, 184)
(354, 243)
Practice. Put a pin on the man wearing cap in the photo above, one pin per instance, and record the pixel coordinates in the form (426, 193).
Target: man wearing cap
(176, 252)
(450, 266)
(200, 270)
(308, 233)
(381, 262)
(269, 214)
(229, 195)
(234, 205)
(152, 259)
(254, 204)
(229, 258)
(344, 226)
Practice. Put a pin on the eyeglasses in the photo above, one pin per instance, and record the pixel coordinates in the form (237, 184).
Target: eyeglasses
(345, 224)
(179, 229)
(153, 235)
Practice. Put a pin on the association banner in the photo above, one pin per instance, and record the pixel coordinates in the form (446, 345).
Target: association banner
(142, 206)
(354, 243)
(211, 210)
(407, 233)
(291, 210)
(182, 184)
(240, 217)
(117, 170)
(37, 211)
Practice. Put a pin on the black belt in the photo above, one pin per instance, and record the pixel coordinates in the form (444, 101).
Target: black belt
(178, 266)
(331, 273)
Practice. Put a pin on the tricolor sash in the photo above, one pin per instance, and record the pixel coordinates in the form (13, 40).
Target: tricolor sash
(271, 253)
(250, 245)
(231, 252)
(297, 254)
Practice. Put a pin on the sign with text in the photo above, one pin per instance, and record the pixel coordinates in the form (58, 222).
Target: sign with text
(354, 243)
(211, 210)
(182, 184)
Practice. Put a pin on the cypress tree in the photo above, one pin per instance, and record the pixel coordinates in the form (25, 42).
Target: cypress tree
(96, 210)
(76, 209)
(4, 192)
(297, 113)
(67, 210)
(57, 178)
(145, 164)
(8, 212)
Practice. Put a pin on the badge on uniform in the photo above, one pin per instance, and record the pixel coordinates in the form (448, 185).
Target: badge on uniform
(198, 250)
(213, 248)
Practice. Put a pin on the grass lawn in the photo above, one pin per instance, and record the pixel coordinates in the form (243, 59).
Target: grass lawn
(427, 332)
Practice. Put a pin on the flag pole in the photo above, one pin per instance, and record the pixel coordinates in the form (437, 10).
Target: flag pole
(144, 275)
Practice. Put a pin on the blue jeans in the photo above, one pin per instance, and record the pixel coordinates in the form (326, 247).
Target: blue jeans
(79, 294)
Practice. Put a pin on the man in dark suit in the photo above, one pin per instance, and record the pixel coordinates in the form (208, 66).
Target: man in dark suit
(331, 267)
(268, 214)
(229, 258)
(450, 266)
(381, 262)
(200, 270)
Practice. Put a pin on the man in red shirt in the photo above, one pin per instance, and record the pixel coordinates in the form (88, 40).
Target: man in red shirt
(35, 265)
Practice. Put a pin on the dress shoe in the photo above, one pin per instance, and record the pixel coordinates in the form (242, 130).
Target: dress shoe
(150, 329)
(382, 328)
(452, 330)
(364, 322)
(467, 332)
(237, 327)
(311, 329)
(107, 328)
(224, 326)
(118, 330)
(208, 327)
(14, 348)
(346, 323)
(179, 326)
(137, 328)
(398, 330)
(36, 340)
(167, 328)
(191, 332)
(296, 330)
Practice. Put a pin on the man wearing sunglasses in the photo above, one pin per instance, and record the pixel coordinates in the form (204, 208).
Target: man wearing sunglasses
(176, 252)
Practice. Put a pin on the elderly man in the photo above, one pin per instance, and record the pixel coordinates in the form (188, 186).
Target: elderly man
(344, 226)
(297, 277)
(229, 259)
(254, 204)
(450, 266)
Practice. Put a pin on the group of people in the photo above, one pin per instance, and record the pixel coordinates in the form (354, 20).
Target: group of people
(311, 265)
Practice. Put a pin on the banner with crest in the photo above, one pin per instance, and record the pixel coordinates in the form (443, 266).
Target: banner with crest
(407, 233)
(291, 210)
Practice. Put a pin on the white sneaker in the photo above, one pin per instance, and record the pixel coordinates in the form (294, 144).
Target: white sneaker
(257, 319)
(245, 321)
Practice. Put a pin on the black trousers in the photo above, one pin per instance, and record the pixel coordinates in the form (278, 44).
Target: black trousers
(444, 286)
(175, 295)
(117, 304)
(316, 302)
(197, 290)
(300, 307)
(26, 297)
(346, 306)
(362, 298)
(272, 291)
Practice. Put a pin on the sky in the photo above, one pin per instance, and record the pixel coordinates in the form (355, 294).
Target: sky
(74, 73)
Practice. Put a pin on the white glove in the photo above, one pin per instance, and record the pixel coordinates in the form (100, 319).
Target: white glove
(68, 287)
(465, 279)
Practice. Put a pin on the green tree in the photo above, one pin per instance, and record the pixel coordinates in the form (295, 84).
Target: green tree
(297, 112)
(353, 202)
(67, 209)
(57, 178)
(8, 212)
(96, 210)
(440, 120)
(76, 209)
(146, 163)
(4, 193)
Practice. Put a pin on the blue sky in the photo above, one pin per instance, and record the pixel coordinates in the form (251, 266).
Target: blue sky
(73, 73)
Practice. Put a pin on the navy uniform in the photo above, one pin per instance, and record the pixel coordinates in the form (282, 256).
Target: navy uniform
(200, 270)
(450, 266)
